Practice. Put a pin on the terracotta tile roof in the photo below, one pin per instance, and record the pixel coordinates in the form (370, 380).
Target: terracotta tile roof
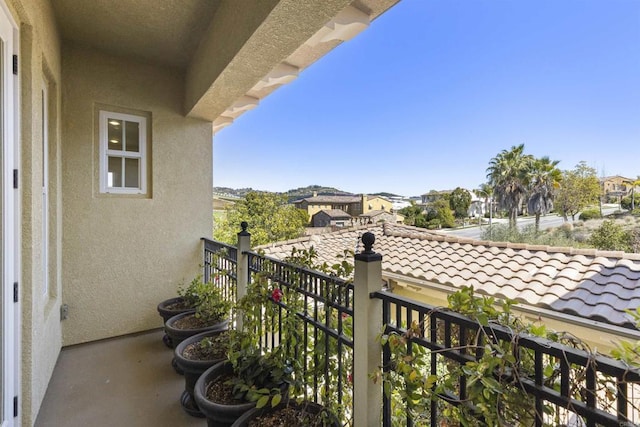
(335, 213)
(596, 285)
(331, 199)
(373, 213)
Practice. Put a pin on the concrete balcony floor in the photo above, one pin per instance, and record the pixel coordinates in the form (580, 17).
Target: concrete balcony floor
(126, 381)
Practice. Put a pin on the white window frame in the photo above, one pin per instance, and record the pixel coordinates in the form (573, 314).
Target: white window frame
(105, 152)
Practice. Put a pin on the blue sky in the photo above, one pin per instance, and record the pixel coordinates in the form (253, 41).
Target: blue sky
(433, 89)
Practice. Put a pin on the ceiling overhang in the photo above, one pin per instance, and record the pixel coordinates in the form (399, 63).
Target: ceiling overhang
(232, 53)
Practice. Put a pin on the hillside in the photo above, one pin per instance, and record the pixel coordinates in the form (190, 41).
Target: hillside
(295, 194)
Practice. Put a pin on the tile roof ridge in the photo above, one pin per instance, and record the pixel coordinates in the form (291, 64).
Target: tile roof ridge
(408, 231)
(283, 242)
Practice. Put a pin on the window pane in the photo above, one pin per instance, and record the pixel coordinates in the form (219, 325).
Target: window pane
(114, 137)
(114, 173)
(131, 173)
(132, 133)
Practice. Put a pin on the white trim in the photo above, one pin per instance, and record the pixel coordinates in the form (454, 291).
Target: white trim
(10, 214)
(141, 155)
(45, 187)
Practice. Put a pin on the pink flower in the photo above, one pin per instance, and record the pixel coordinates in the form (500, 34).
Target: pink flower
(345, 315)
(276, 295)
(350, 378)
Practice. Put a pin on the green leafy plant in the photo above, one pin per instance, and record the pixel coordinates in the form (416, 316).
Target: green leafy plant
(212, 306)
(274, 306)
(588, 214)
(610, 236)
(261, 377)
(628, 351)
(493, 380)
(190, 293)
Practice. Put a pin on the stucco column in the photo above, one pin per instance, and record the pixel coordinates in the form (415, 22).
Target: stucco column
(367, 352)
(242, 266)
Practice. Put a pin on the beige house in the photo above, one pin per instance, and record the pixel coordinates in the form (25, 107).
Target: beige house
(352, 205)
(434, 195)
(581, 291)
(108, 111)
(617, 186)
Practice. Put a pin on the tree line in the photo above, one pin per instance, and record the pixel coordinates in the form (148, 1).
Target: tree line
(516, 182)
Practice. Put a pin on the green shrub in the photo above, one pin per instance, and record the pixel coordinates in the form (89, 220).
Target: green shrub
(588, 214)
(611, 236)
(625, 203)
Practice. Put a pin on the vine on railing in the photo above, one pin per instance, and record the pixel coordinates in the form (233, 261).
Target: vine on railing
(442, 370)
(472, 364)
(306, 316)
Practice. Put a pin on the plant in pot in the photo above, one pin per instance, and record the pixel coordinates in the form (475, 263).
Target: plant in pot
(291, 412)
(211, 314)
(195, 355)
(226, 390)
(185, 302)
(272, 309)
(251, 376)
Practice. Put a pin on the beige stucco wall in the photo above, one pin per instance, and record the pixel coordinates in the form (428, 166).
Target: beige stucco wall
(376, 204)
(40, 334)
(122, 255)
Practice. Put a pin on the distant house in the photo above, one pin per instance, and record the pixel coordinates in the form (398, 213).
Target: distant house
(353, 205)
(616, 186)
(582, 291)
(331, 218)
(434, 195)
(379, 216)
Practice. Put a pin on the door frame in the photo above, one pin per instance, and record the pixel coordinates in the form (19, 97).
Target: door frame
(10, 219)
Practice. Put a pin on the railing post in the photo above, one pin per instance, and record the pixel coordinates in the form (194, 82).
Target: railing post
(367, 352)
(242, 266)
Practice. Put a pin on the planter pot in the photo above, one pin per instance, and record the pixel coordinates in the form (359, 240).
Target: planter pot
(166, 311)
(178, 335)
(192, 369)
(218, 415)
(308, 407)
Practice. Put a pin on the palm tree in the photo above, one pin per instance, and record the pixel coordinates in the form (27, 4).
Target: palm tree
(508, 174)
(634, 184)
(485, 191)
(544, 179)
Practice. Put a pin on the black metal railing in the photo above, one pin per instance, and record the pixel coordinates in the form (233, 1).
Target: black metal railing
(324, 311)
(563, 385)
(580, 389)
(220, 265)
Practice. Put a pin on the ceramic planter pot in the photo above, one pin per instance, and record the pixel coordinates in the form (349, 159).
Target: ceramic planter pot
(192, 369)
(309, 407)
(217, 414)
(166, 311)
(177, 335)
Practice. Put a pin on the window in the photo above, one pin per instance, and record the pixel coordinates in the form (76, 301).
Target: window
(123, 160)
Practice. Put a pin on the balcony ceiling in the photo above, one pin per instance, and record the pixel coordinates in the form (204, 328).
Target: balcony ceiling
(232, 52)
(164, 32)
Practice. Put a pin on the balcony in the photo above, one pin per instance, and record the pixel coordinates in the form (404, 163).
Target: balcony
(434, 359)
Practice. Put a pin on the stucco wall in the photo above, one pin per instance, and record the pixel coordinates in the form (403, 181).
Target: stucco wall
(40, 335)
(122, 255)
